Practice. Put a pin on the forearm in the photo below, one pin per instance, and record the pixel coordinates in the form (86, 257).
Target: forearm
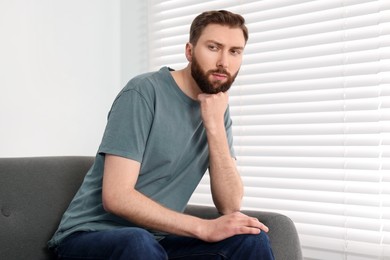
(226, 184)
(144, 212)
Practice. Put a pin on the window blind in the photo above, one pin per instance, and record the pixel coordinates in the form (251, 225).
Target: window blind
(311, 115)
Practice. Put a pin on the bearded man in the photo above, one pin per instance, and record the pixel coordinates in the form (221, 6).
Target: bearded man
(164, 130)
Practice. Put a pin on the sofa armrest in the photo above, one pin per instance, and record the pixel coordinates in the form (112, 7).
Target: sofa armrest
(283, 234)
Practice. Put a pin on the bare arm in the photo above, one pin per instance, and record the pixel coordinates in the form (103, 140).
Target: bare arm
(226, 184)
(120, 198)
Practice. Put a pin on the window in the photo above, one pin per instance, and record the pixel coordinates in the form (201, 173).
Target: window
(311, 114)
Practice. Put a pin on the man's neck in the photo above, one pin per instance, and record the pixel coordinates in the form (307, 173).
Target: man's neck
(186, 82)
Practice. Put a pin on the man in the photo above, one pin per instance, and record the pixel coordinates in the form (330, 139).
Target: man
(164, 130)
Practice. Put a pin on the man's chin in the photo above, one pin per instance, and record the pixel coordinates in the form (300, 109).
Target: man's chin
(218, 89)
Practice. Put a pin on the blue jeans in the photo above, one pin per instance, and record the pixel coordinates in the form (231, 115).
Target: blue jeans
(139, 244)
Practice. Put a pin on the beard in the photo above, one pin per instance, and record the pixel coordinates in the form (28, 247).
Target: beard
(207, 86)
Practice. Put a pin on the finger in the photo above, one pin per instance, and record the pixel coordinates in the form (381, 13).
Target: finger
(203, 96)
(256, 223)
(254, 229)
(247, 230)
(264, 228)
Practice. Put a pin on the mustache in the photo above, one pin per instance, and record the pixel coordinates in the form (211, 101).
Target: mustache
(220, 71)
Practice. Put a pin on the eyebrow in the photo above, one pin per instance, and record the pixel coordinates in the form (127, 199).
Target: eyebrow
(221, 45)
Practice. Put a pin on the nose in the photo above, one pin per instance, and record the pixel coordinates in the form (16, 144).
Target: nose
(223, 60)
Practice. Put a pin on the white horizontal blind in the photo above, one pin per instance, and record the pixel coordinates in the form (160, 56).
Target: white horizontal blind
(311, 114)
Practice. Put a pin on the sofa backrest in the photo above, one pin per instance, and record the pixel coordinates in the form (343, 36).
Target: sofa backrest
(34, 193)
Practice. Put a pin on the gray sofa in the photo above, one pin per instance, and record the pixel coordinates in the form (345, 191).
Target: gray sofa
(34, 193)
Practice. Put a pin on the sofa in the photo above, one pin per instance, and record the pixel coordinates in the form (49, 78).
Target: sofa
(35, 191)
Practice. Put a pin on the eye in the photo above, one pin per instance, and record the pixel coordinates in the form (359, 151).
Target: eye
(236, 52)
(213, 47)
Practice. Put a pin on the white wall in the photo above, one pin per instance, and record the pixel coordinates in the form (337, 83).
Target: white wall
(60, 69)
(134, 39)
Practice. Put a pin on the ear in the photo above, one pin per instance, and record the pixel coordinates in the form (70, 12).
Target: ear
(189, 50)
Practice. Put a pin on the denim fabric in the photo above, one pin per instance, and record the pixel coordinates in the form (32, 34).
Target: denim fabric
(240, 247)
(139, 244)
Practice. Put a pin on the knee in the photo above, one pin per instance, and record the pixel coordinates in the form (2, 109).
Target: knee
(261, 240)
(253, 240)
(256, 246)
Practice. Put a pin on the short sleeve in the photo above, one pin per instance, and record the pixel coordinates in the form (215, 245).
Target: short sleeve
(128, 126)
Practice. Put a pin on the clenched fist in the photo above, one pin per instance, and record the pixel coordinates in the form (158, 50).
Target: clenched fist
(213, 107)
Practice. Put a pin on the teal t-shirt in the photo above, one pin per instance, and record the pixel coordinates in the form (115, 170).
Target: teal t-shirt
(153, 122)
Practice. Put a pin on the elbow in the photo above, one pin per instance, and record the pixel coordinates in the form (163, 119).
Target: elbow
(116, 202)
(107, 205)
(109, 202)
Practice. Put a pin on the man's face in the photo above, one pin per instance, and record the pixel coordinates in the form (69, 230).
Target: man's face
(207, 82)
(217, 57)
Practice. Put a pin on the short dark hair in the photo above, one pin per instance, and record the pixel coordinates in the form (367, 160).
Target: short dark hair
(221, 17)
